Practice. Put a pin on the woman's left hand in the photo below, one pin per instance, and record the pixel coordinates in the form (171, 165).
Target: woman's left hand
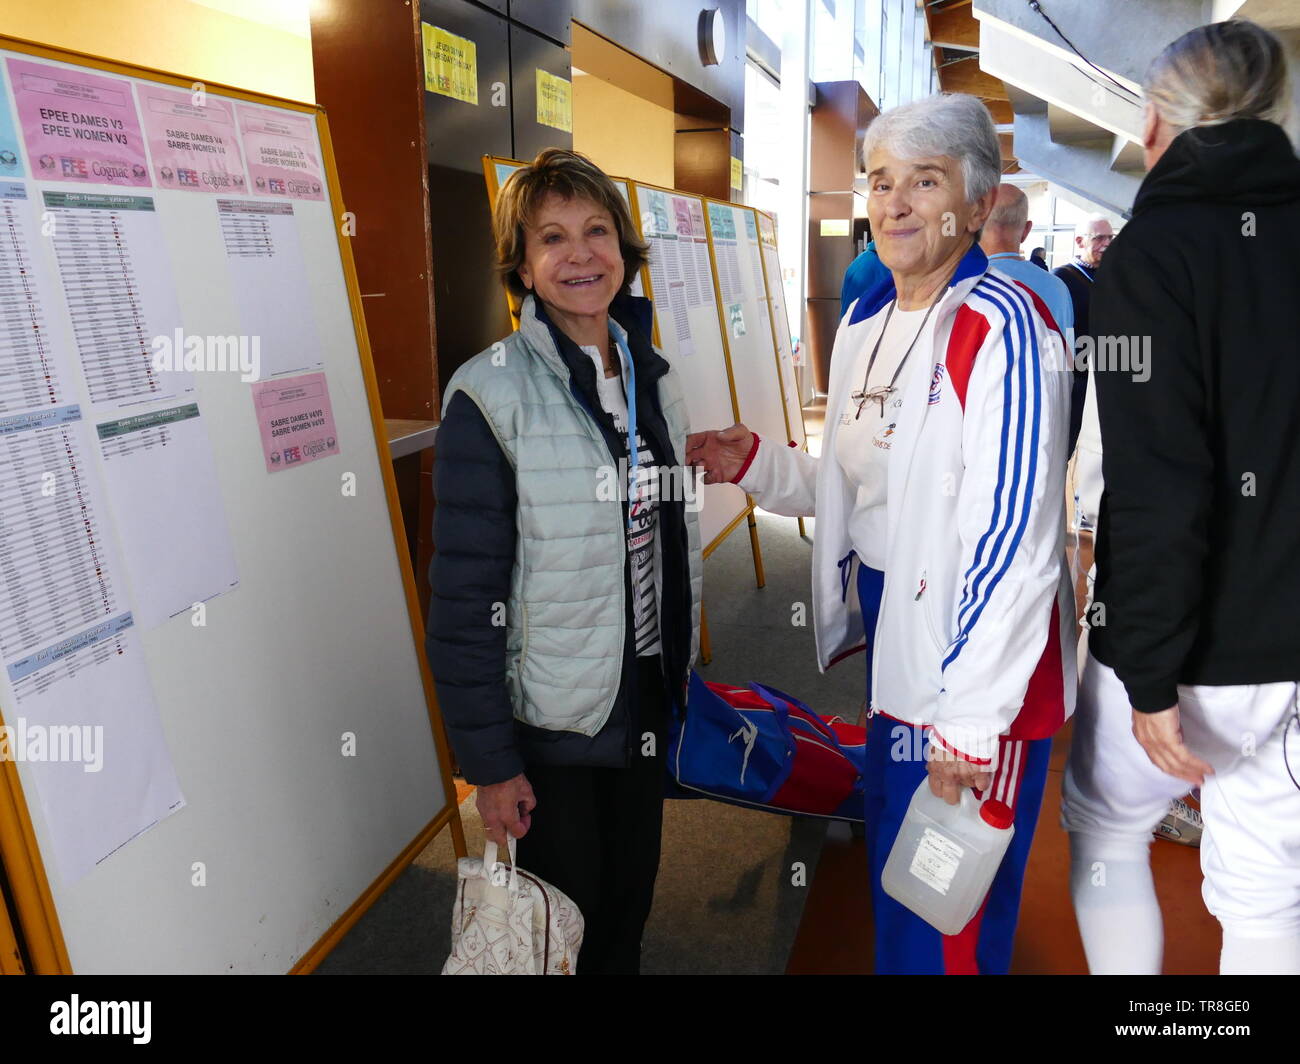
(1161, 736)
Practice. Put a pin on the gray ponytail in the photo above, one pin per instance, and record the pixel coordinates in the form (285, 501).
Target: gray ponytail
(1216, 73)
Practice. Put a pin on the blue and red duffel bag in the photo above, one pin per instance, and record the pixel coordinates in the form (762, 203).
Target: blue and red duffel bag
(759, 747)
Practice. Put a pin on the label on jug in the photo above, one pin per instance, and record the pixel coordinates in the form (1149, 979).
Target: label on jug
(935, 861)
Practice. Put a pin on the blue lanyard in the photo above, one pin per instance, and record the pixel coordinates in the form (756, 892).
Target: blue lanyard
(620, 341)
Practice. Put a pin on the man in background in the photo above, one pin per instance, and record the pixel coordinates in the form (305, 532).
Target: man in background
(1090, 243)
(1004, 232)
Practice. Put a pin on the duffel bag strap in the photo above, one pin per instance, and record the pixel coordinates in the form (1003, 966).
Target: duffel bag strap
(780, 700)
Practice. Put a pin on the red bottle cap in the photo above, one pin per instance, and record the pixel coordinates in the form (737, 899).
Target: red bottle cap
(997, 814)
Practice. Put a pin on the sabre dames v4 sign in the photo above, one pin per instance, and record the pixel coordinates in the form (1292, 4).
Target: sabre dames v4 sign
(194, 145)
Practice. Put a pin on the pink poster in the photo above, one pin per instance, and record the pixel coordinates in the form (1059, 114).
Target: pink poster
(697, 220)
(682, 212)
(283, 159)
(193, 145)
(78, 126)
(295, 420)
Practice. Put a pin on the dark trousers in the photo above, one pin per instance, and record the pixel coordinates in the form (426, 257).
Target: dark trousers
(596, 832)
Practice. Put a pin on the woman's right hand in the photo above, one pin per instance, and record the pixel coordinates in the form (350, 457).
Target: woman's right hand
(720, 451)
(505, 807)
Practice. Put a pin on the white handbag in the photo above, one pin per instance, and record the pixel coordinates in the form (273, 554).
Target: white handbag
(507, 922)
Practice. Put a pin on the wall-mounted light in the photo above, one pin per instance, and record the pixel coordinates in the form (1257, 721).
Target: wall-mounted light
(713, 36)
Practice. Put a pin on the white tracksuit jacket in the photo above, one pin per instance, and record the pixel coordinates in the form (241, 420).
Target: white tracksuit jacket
(976, 632)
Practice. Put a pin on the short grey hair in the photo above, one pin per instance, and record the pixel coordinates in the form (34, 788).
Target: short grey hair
(1091, 222)
(955, 125)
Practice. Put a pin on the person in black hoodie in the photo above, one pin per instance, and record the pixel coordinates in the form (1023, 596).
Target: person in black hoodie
(1194, 647)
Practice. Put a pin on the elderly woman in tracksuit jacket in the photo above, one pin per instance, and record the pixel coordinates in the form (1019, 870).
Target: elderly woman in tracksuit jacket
(940, 500)
(564, 618)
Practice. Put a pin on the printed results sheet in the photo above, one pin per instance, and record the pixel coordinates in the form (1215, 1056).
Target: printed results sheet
(111, 514)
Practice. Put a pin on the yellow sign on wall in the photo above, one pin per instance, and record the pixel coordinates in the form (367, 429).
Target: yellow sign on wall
(835, 227)
(450, 64)
(554, 102)
(737, 175)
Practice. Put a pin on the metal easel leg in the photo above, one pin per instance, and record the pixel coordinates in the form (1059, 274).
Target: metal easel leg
(759, 579)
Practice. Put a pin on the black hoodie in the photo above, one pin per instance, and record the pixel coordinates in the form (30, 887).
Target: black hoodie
(1198, 538)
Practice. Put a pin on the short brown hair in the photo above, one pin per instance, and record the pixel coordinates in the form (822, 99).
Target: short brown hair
(569, 175)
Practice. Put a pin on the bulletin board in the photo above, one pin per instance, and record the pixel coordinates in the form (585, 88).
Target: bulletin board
(745, 318)
(680, 284)
(207, 594)
(795, 430)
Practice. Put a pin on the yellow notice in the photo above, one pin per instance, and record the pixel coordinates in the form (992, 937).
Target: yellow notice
(737, 175)
(450, 64)
(554, 102)
(835, 227)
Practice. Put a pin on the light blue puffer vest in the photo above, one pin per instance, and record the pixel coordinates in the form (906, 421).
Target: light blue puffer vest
(565, 622)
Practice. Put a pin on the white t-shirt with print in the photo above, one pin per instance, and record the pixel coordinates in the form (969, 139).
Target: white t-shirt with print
(863, 442)
(643, 505)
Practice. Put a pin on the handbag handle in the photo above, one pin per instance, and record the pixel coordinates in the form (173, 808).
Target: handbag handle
(490, 863)
(772, 696)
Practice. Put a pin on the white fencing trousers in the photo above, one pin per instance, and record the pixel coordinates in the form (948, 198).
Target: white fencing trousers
(1250, 851)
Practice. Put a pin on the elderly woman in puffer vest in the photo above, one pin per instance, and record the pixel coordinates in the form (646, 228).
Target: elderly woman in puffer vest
(566, 585)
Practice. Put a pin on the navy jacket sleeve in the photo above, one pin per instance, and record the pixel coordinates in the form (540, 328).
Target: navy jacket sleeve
(474, 552)
(1159, 475)
(847, 288)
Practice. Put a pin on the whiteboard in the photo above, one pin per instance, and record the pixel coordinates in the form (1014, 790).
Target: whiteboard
(781, 330)
(680, 285)
(280, 832)
(743, 310)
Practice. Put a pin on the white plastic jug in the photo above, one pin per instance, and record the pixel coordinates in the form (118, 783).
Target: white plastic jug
(945, 856)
